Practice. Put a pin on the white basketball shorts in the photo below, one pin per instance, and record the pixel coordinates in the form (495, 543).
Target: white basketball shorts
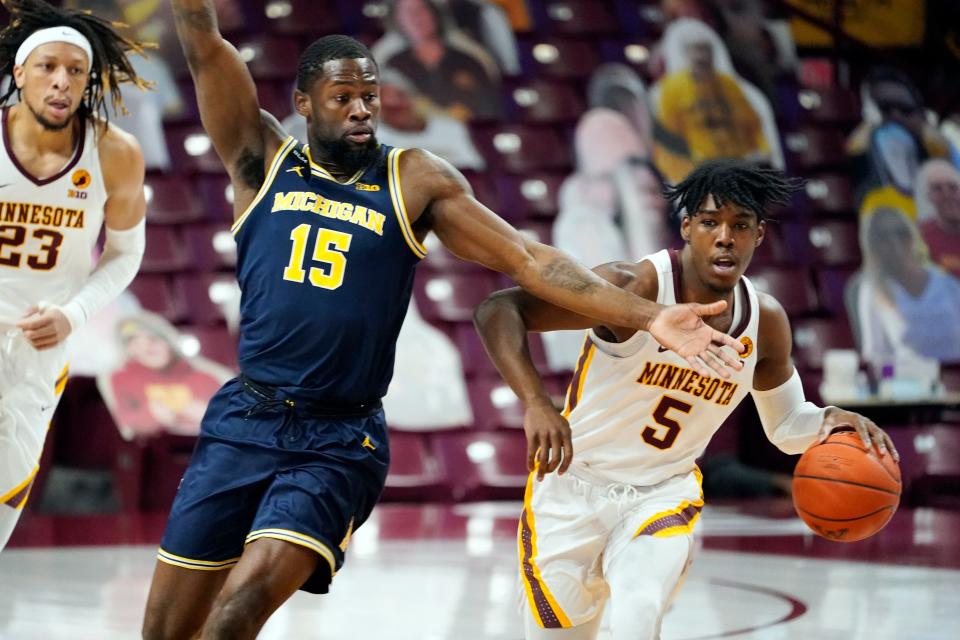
(572, 530)
(31, 383)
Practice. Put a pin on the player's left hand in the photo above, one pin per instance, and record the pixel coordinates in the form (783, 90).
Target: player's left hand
(44, 328)
(870, 434)
(681, 328)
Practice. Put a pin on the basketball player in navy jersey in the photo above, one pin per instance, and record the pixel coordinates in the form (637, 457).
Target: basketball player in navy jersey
(293, 453)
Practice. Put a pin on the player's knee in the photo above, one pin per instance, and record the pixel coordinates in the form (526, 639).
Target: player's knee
(637, 609)
(239, 612)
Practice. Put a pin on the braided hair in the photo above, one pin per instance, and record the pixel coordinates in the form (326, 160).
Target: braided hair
(333, 47)
(743, 183)
(110, 66)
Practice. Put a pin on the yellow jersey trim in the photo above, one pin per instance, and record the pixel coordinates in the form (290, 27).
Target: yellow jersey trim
(575, 394)
(278, 159)
(681, 529)
(197, 565)
(61, 382)
(299, 539)
(320, 172)
(531, 599)
(399, 207)
(20, 487)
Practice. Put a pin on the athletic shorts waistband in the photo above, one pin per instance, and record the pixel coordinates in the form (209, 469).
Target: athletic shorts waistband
(313, 408)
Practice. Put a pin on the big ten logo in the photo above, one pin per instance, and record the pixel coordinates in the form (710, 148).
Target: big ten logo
(81, 180)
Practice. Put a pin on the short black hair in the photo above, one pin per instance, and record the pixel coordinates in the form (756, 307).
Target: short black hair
(741, 182)
(110, 66)
(322, 50)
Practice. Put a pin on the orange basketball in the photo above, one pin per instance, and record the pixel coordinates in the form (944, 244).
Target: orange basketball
(843, 491)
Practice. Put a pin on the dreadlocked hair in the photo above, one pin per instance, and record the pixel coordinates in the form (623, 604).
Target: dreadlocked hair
(732, 180)
(335, 47)
(110, 67)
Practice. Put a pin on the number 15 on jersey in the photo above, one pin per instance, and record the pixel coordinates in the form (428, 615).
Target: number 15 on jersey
(329, 249)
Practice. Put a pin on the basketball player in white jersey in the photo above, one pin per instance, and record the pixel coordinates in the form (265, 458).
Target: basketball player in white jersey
(618, 526)
(64, 173)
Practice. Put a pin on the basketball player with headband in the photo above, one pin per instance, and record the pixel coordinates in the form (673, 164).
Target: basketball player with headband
(64, 173)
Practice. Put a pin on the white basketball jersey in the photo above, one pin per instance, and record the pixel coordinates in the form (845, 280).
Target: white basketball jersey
(48, 226)
(640, 414)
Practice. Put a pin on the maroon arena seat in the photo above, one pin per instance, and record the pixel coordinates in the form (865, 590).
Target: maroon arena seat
(484, 466)
(542, 101)
(147, 471)
(836, 105)
(165, 251)
(576, 17)
(522, 149)
(828, 193)
(171, 200)
(812, 338)
(936, 477)
(157, 295)
(216, 193)
(773, 249)
(199, 291)
(216, 343)
(211, 245)
(276, 97)
(827, 243)
(191, 150)
(558, 58)
(810, 149)
(791, 286)
(484, 190)
(270, 57)
(452, 297)
(415, 472)
(534, 194)
(303, 17)
(475, 359)
(832, 285)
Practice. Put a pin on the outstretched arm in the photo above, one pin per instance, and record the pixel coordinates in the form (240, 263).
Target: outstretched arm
(791, 422)
(503, 320)
(226, 95)
(473, 232)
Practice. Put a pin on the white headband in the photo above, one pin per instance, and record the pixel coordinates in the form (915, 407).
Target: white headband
(54, 34)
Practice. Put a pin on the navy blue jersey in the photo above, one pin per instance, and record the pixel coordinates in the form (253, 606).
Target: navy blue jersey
(326, 271)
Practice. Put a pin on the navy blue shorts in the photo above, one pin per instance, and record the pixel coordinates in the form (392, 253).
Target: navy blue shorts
(266, 469)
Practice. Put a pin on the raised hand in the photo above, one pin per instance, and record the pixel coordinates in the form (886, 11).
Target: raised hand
(681, 329)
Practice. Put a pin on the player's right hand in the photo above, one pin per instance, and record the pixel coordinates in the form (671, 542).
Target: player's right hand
(44, 327)
(681, 329)
(549, 443)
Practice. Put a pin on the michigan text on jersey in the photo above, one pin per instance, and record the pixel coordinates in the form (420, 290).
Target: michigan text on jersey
(668, 376)
(29, 213)
(346, 211)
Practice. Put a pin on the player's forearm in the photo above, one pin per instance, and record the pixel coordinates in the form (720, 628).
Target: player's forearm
(504, 335)
(197, 28)
(122, 254)
(557, 278)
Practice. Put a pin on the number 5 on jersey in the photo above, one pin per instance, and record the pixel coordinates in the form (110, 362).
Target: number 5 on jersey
(665, 440)
(329, 249)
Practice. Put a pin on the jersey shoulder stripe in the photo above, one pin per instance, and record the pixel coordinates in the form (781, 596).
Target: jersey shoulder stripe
(399, 207)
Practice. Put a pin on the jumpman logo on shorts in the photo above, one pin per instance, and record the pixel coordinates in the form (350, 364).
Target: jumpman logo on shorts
(367, 444)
